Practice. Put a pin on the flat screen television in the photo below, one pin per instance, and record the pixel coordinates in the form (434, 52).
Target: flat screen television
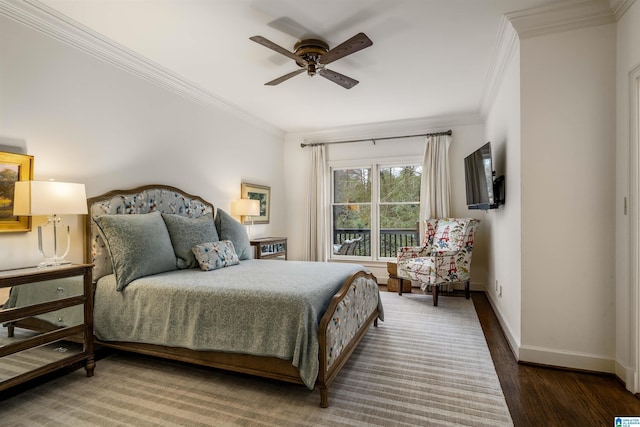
(481, 188)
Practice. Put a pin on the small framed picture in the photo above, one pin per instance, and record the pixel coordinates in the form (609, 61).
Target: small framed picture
(261, 193)
(13, 167)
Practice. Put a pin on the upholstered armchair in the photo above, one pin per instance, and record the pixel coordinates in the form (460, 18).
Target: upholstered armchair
(444, 257)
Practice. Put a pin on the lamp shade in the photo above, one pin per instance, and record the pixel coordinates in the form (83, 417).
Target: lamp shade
(49, 198)
(245, 207)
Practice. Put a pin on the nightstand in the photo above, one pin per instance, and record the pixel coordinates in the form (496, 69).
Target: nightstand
(48, 346)
(270, 247)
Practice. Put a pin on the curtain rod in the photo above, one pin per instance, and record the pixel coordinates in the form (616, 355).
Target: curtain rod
(311, 144)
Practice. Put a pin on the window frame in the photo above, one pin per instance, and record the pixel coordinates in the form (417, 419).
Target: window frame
(375, 164)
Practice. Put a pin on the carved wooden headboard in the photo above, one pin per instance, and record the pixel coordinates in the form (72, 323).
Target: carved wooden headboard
(139, 200)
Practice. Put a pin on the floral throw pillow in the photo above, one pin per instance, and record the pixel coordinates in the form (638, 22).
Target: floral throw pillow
(213, 255)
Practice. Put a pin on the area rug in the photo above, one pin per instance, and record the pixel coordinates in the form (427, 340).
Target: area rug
(422, 366)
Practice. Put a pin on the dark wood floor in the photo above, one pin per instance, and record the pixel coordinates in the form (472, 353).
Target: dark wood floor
(539, 396)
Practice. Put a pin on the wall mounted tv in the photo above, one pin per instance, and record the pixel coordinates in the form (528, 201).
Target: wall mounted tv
(483, 192)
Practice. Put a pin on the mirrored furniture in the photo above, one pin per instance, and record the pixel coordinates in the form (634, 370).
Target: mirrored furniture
(54, 331)
(270, 247)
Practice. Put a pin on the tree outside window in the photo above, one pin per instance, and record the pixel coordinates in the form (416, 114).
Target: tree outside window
(399, 207)
(388, 196)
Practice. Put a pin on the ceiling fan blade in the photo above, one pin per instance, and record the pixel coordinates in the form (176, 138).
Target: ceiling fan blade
(271, 45)
(285, 77)
(341, 79)
(353, 45)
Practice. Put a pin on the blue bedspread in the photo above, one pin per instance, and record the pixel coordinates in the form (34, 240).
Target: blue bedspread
(259, 307)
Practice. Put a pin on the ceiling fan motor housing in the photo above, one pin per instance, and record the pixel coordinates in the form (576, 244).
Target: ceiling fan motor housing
(311, 50)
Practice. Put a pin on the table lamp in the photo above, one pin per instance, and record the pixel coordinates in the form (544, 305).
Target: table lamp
(50, 198)
(246, 208)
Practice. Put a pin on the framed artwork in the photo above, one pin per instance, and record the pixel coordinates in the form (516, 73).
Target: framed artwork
(261, 193)
(13, 167)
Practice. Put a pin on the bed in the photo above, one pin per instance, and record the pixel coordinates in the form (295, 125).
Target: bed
(286, 320)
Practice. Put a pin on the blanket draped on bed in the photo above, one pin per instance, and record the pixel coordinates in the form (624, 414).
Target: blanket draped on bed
(259, 307)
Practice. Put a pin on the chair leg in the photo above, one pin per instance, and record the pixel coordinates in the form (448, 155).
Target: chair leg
(467, 293)
(435, 294)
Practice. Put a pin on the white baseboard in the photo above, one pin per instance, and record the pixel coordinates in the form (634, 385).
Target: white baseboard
(567, 359)
(628, 376)
(564, 359)
(512, 339)
(550, 356)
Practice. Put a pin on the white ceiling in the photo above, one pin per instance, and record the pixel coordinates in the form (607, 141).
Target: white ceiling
(429, 58)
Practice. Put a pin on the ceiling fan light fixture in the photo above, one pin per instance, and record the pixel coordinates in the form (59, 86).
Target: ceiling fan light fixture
(311, 69)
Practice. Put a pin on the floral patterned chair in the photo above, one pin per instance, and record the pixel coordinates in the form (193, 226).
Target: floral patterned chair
(444, 258)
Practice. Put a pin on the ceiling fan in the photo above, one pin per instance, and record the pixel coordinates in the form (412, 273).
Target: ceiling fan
(313, 55)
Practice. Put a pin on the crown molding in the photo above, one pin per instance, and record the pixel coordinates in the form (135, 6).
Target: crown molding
(620, 7)
(563, 16)
(40, 17)
(506, 46)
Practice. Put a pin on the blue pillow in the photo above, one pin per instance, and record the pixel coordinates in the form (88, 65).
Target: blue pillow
(139, 245)
(187, 232)
(230, 229)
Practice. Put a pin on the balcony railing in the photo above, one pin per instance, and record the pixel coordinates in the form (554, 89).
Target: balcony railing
(390, 240)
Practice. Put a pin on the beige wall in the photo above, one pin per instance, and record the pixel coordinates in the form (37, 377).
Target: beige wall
(505, 251)
(468, 135)
(569, 313)
(88, 121)
(627, 186)
(568, 180)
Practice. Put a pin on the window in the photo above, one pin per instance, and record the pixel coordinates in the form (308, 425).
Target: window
(399, 207)
(375, 208)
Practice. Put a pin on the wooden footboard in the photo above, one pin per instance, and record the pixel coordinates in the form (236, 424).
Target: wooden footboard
(352, 310)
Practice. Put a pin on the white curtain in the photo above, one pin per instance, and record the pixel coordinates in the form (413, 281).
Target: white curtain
(317, 206)
(435, 188)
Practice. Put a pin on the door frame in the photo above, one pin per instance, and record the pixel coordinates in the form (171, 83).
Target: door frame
(633, 378)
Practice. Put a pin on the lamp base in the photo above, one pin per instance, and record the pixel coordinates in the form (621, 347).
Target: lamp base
(56, 259)
(53, 262)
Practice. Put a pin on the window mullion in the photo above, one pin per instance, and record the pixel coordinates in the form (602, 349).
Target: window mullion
(375, 213)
